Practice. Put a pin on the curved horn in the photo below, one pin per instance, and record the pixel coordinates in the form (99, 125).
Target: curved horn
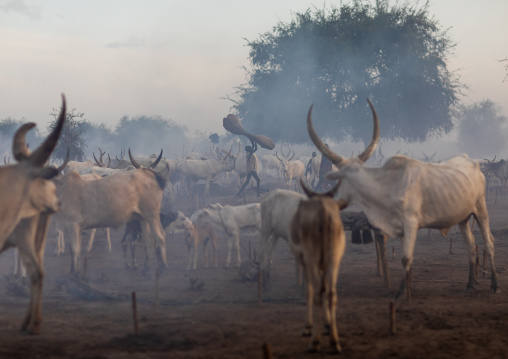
(41, 154)
(109, 161)
(325, 150)
(19, 148)
(133, 161)
(101, 156)
(364, 156)
(62, 166)
(292, 156)
(276, 155)
(96, 161)
(494, 158)
(156, 162)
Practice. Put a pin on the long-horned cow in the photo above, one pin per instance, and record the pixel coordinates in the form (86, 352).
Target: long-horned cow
(318, 241)
(405, 195)
(111, 202)
(291, 169)
(28, 199)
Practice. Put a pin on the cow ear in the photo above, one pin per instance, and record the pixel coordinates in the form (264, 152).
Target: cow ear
(45, 172)
(342, 204)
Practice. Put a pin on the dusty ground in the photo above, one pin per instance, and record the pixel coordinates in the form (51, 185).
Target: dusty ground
(212, 313)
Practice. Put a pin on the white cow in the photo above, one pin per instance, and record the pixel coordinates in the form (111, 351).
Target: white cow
(405, 195)
(192, 171)
(277, 210)
(269, 162)
(230, 219)
(28, 199)
(291, 169)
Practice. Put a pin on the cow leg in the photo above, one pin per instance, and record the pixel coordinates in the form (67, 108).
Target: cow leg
(488, 240)
(382, 260)
(189, 257)
(125, 244)
(74, 233)
(32, 255)
(195, 259)
(408, 247)
(330, 309)
(90, 240)
(471, 250)
(236, 243)
(108, 248)
(230, 249)
(205, 252)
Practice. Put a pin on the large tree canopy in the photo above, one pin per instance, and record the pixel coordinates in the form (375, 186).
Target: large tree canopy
(395, 55)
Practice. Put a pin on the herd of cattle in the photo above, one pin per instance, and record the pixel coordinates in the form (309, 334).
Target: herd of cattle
(397, 198)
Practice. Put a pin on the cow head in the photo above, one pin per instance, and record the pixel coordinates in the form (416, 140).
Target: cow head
(284, 161)
(346, 167)
(30, 175)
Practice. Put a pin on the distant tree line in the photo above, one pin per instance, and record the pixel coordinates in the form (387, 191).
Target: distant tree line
(142, 134)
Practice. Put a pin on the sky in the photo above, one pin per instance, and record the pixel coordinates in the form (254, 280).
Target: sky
(180, 59)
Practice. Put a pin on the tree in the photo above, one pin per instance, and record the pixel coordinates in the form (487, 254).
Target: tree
(482, 131)
(395, 55)
(72, 136)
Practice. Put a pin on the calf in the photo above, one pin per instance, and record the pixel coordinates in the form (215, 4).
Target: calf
(194, 235)
(318, 241)
(230, 219)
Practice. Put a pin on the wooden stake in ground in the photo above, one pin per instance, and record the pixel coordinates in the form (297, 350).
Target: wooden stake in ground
(157, 274)
(135, 313)
(259, 286)
(393, 318)
(450, 252)
(267, 351)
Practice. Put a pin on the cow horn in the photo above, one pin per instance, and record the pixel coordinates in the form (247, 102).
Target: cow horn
(96, 161)
(325, 150)
(133, 161)
(109, 161)
(364, 156)
(156, 162)
(276, 155)
(62, 166)
(41, 154)
(19, 148)
(292, 156)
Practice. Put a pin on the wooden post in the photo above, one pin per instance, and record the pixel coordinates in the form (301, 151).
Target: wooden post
(393, 318)
(484, 260)
(135, 313)
(450, 251)
(260, 279)
(267, 351)
(157, 274)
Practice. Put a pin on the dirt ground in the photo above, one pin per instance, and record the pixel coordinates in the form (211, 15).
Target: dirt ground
(212, 313)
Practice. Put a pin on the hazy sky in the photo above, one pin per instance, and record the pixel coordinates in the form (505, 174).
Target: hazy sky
(179, 59)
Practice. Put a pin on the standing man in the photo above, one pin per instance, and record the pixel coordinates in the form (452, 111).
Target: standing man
(324, 168)
(252, 167)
